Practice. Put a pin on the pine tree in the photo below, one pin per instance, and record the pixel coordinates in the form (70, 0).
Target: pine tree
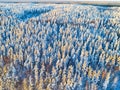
(1, 83)
(25, 84)
(40, 85)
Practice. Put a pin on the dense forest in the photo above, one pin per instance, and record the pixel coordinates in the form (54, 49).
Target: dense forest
(59, 47)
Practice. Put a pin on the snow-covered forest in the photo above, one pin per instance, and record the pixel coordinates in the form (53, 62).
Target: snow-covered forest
(59, 47)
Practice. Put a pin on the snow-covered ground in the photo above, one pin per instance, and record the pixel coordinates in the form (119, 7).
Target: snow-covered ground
(59, 47)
